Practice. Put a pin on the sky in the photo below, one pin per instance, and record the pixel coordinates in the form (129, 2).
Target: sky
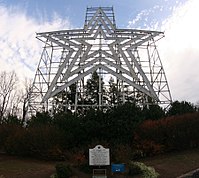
(20, 20)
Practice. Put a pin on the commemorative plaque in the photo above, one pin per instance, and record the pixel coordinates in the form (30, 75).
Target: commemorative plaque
(99, 156)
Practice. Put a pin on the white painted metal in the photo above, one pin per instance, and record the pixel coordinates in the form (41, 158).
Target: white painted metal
(129, 56)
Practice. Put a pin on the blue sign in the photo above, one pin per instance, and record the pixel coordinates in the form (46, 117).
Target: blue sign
(118, 168)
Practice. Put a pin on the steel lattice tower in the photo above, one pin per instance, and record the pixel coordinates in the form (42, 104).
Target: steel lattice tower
(126, 60)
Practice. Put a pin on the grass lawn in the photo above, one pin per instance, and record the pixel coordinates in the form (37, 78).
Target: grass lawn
(169, 166)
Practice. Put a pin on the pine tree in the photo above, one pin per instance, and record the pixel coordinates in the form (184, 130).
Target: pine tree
(92, 88)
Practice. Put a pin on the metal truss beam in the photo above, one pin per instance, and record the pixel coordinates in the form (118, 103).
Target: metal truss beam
(129, 56)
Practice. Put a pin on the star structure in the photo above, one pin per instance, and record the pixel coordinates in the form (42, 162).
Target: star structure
(98, 46)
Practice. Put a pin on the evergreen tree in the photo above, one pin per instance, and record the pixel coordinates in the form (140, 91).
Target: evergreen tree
(65, 98)
(178, 108)
(72, 93)
(153, 112)
(113, 92)
(92, 88)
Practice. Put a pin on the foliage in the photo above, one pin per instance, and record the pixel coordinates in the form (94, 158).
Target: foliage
(122, 121)
(136, 168)
(8, 128)
(114, 92)
(172, 133)
(85, 168)
(147, 148)
(94, 126)
(63, 170)
(43, 141)
(46, 142)
(121, 153)
(153, 112)
(125, 129)
(38, 142)
(71, 129)
(12, 120)
(65, 98)
(79, 158)
(18, 143)
(179, 108)
(92, 87)
(41, 119)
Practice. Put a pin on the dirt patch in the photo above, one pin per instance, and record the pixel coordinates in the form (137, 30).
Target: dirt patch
(13, 167)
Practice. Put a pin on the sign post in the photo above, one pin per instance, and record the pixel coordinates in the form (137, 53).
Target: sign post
(99, 156)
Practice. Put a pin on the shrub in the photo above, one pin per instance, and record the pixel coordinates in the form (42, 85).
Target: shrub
(39, 120)
(18, 143)
(121, 153)
(85, 168)
(9, 127)
(149, 147)
(79, 158)
(55, 153)
(63, 170)
(169, 134)
(45, 142)
(179, 108)
(138, 168)
(41, 142)
(121, 122)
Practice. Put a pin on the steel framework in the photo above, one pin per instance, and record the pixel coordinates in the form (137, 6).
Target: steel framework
(126, 60)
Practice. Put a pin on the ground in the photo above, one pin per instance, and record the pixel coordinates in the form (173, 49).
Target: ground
(14, 167)
(174, 164)
(168, 166)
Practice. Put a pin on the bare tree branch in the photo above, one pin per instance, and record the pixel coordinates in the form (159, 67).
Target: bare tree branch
(8, 81)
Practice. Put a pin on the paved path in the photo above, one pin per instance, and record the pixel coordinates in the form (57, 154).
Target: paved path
(192, 174)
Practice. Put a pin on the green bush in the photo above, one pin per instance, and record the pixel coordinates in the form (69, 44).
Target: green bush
(85, 168)
(180, 108)
(138, 168)
(63, 170)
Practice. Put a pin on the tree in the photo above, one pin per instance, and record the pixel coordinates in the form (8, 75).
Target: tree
(14, 104)
(153, 112)
(65, 99)
(92, 88)
(178, 108)
(122, 121)
(71, 94)
(12, 120)
(197, 105)
(26, 94)
(40, 120)
(113, 91)
(7, 87)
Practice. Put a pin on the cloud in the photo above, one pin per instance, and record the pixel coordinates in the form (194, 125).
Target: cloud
(180, 51)
(151, 18)
(19, 49)
(142, 19)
